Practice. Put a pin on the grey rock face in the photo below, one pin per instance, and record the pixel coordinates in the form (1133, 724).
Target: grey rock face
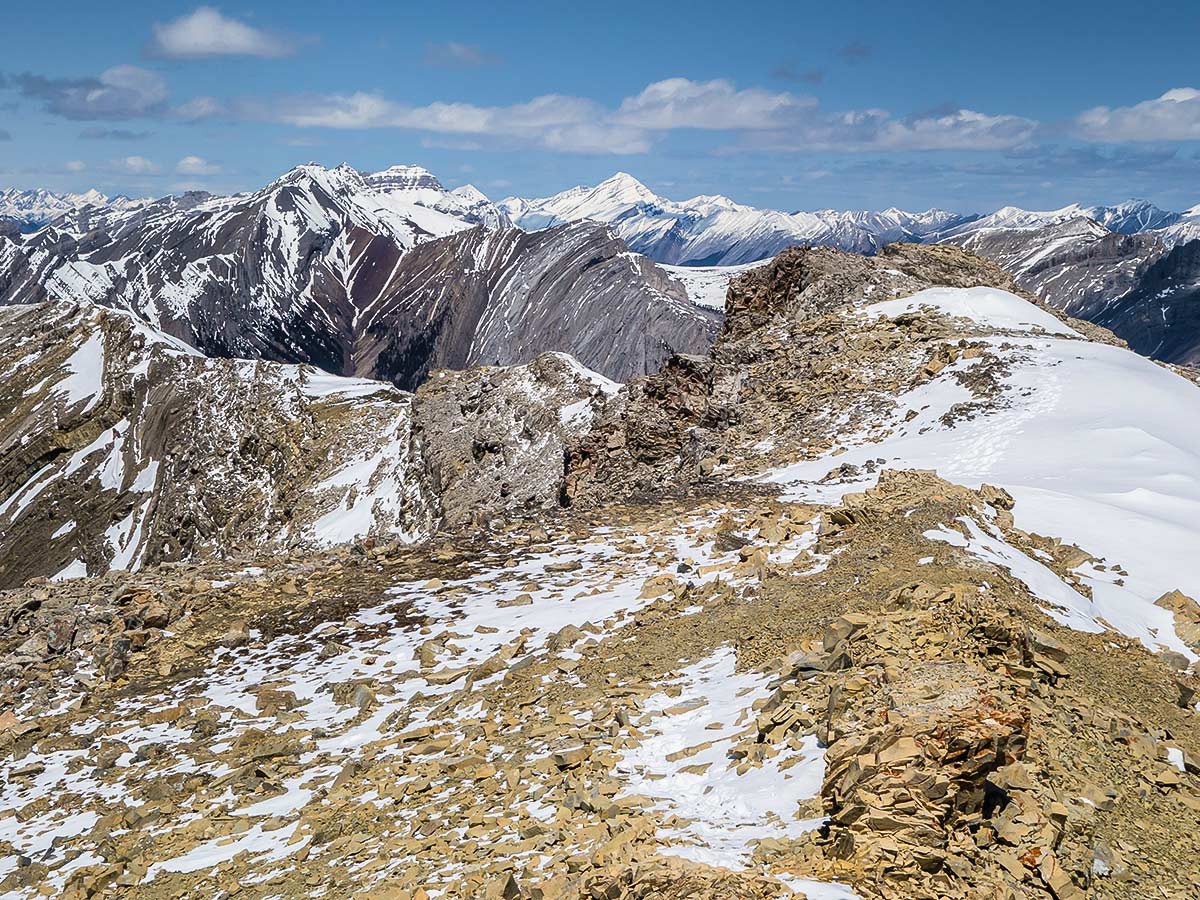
(501, 298)
(497, 438)
(1079, 266)
(1160, 315)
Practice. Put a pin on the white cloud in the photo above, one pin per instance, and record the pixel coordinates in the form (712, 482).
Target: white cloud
(206, 32)
(1175, 116)
(135, 165)
(554, 121)
(196, 165)
(681, 103)
(199, 108)
(960, 129)
(765, 119)
(876, 130)
(76, 165)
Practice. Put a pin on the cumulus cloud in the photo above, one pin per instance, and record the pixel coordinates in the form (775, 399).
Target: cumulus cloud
(682, 103)
(122, 92)
(761, 118)
(455, 54)
(135, 165)
(196, 165)
(1175, 116)
(207, 33)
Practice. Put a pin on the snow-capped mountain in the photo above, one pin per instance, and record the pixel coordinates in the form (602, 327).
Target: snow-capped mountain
(714, 230)
(413, 185)
(314, 267)
(1134, 216)
(34, 208)
(1130, 217)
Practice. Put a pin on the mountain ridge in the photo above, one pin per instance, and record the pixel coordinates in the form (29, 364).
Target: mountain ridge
(304, 270)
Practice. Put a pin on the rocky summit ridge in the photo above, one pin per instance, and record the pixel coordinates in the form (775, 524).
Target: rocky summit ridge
(830, 611)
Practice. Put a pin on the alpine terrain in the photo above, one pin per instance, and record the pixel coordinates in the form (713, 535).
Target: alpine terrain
(819, 602)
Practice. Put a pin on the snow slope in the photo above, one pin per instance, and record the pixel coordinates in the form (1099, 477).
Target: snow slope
(1099, 446)
(706, 285)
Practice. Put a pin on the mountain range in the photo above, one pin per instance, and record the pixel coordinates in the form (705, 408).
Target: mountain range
(322, 267)
(383, 274)
(1128, 267)
(716, 231)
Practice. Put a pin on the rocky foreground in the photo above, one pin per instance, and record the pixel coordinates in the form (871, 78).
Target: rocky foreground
(887, 597)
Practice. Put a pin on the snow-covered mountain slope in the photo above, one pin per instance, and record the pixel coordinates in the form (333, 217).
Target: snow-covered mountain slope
(413, 185)
(1134, 508)
(1130, 217)
(302, 270)
(714, 230)
(1012, 218)
(1143, 289)
(32, 209)
(121, 448)
(1134, 216)
(273, 274)
(706, 285)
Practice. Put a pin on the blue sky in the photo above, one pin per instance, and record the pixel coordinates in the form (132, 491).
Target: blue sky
(794, 105)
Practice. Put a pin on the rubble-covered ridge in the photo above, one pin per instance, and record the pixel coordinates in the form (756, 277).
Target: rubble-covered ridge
(120, 448)
(835, 612)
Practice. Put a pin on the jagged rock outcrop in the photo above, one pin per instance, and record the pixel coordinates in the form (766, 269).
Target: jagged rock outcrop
(121, 449)
(776, 367)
